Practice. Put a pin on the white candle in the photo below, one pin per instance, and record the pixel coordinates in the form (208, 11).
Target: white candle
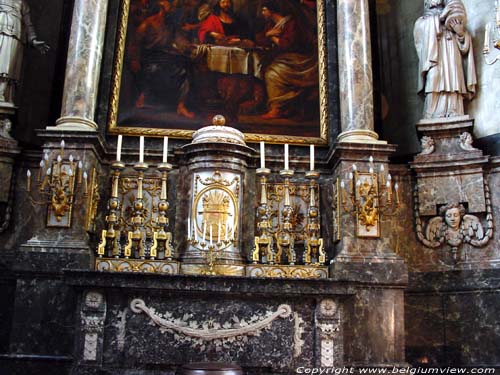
(218, 233)
(227, 230)
(286, 156)
(311, 156)
(204, 231)
(119, 148)
(189, 228)
(195, 230)
(165, 149)
(141, 149)
(262, 155)
(28, 182)
(85, 185)
(211, 242)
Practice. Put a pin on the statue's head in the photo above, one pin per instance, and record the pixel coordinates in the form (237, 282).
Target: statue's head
(453, 214)
(429, 4)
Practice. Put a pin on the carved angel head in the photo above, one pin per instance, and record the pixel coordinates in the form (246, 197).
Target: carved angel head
(453, 214)
(466, 138)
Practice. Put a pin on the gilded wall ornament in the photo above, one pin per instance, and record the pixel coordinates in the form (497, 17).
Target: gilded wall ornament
(215, 208)
(367, 196)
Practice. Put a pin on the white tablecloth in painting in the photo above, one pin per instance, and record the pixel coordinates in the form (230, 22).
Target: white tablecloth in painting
(231, 60)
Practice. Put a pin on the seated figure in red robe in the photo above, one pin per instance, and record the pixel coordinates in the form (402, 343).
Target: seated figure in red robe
(222, 27)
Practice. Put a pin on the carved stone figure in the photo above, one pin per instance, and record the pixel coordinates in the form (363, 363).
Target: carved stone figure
(5, 126)
(466, 142)
(16, 30)
(447, 72)
(428, 145)
(454, 227)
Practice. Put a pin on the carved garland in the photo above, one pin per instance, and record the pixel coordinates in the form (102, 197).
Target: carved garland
(205, 333)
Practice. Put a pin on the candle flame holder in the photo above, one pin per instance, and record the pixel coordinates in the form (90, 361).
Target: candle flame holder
(367, 195)
(58, 182)
(140, 237)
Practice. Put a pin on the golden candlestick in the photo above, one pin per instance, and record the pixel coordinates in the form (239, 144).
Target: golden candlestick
(314, 252)
(263, 244)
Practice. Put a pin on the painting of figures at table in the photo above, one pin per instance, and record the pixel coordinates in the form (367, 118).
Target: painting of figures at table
(254, 61)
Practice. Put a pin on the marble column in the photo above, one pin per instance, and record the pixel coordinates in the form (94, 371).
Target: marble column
(355, 72)
(83, 65)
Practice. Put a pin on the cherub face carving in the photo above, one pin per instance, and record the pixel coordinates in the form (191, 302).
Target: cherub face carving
(452, 218)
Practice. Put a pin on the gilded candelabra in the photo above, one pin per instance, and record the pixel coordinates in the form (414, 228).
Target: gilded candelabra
(314, 246)
(110, 237)
(162, 240)
(284, 238)
(57, 184)
(264, 249)
(367, 195)
(136, 238)
(210, 244)
(146, 238)
(275, 252)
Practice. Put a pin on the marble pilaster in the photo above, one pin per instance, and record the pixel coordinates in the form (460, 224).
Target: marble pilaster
(83, 65)
(355, 72)
(351, 246)
(71, 234)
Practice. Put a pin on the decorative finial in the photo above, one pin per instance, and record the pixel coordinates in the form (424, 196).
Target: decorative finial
(219, 120)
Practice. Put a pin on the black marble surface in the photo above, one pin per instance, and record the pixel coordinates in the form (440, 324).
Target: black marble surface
(14, 364)
(166, 284)
(43, 320)
(451, 318)
(370, 325)
(7, 295)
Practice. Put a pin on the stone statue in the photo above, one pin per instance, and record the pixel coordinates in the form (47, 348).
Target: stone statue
(16, 30)
(447, 72)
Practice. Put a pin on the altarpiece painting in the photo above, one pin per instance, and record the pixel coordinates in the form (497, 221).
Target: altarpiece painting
(260, 63)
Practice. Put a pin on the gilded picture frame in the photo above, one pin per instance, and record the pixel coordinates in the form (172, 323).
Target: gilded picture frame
(127, 115)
